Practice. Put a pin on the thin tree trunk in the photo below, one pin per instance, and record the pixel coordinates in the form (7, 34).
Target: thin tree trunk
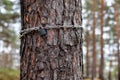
(117, 34)
(109, 74)
(87, 55)
(101, 69)
(94, 42)
(58, 54)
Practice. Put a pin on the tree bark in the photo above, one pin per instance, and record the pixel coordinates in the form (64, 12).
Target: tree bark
(87, 55)
(58, 54)
(109, 74)
(101, 69)
(94, 42)
(117, 34)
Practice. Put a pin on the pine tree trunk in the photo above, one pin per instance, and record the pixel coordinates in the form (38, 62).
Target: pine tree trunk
(87, 55)
(117, 34)
(94, 42)
(58, 54)
(101, 69)
(109, 74)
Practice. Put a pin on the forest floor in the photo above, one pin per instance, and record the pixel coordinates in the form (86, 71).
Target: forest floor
(9, 74)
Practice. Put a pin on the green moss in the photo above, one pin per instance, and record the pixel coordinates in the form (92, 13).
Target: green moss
(9, 74)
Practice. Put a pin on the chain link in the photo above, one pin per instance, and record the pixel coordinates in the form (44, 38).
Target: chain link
(37, 28)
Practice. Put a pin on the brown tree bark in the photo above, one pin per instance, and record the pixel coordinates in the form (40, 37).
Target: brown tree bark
(58, 54)
(87, 55)
(117, 34)
(101, 69)
(109, 74)
(94, 42)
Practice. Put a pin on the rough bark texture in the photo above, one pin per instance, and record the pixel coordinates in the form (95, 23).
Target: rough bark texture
(58, 55)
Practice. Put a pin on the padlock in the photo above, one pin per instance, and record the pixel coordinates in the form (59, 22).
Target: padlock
(43, 32)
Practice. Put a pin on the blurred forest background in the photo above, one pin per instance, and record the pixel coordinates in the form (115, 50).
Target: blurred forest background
(9, 39)
(101, 39)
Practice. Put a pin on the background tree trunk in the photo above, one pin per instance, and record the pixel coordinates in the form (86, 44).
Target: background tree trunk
(87, 55)
(109, 73)
(101, 69)
(57, 55)
(117, 34)
(94, 42)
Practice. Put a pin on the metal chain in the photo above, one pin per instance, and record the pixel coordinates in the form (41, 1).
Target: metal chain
(37, 28)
